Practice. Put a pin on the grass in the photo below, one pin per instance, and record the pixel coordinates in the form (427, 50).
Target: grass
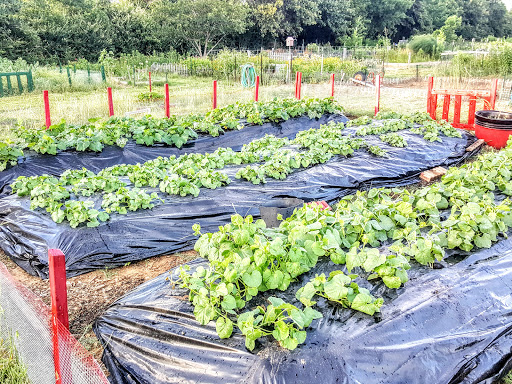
(12, 370)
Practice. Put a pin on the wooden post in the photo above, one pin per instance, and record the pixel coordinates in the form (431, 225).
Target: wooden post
(59, 298)
(494, 91)
(110, 102)
(456, 110)
(299, 89)
(446, 107)
(332, 85)
(167, 107)
(48, 120)
(257, 89)
(149, 82)
(377, 94)
(296, 84)
(429, 95)
(214, 98)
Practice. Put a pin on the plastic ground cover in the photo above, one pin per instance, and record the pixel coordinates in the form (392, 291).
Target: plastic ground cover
(447, 325)
(26, 235)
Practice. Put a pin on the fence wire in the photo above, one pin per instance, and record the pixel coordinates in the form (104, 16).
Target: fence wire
(27, 321)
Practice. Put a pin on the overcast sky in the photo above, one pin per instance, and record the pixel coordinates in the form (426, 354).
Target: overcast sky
(508, 3)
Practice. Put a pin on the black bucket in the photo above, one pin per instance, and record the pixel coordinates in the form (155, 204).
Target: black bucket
(284, 207)
(494, 119)
(494, 127)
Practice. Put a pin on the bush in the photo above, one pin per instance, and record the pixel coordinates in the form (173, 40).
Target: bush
(425, 43)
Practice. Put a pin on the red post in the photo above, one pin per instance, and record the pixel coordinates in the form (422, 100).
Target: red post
(47, 109)
(494, 91)
(214, 99)
(149, 82)
(299, 89)
(296, 83)
(167, 109)
(257, 89)
(429, 94)
(377, 94)
(58, 293)
(446, 107)
(332, 85)
(110, 102)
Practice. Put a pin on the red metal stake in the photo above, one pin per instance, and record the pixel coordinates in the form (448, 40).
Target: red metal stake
(214, 102)
(429, 95)
(299, 87)
(149, 82)
(332, 85)
(377, 95)
(296, 83)
(58, 293)
(167, 109)
(47, 109)
(257, 88)
(110, 102)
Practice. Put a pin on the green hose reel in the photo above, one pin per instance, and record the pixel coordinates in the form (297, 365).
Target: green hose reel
(248, 76)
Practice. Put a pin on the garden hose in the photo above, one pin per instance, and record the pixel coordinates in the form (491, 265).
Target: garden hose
(248, 76)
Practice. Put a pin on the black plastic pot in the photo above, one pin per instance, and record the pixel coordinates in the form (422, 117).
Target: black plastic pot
(284, 207)
(494, 127)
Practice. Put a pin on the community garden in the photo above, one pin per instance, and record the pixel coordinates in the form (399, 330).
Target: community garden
(363, 273)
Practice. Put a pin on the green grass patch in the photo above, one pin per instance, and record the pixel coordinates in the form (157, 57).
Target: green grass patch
(12, 370)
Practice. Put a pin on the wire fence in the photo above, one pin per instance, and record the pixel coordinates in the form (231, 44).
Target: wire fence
(27, 321)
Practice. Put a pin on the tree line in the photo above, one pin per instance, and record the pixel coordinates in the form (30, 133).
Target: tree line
(52, 30)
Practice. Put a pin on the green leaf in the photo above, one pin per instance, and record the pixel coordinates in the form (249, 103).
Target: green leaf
(364, 303)
(335, 288)
(373, 259)
(253, 279)
(228, 303)
(224, 327)
(354, 259)
(392, 281)
(483, 241)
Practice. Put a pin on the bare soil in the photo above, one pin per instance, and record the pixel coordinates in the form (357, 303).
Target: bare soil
(90, 294)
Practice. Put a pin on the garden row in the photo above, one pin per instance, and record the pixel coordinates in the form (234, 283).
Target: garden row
(175, 131)
(269, 156)
(375, 233)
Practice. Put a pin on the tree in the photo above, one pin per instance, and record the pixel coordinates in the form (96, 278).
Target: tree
(280, 18)
(448, 32)
(16, 38)
(205, 23)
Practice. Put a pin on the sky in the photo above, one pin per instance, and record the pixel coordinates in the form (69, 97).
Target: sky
(508, 3)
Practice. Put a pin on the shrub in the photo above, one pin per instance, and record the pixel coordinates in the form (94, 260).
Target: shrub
(425, 43)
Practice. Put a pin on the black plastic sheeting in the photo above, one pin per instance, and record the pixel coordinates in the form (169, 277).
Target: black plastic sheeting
(449, 325)
(36, 164)
(26, 235)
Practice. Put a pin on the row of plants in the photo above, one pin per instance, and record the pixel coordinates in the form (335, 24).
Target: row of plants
(375, 234)
(63, 198)
(149, 131)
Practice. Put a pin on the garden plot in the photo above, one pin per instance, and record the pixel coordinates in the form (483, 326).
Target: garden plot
(131, 212)
(344, 295)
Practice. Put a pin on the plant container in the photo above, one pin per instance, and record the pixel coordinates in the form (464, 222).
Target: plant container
(494, 127)
(284, 207)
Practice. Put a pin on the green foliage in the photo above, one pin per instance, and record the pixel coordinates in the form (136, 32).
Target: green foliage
(375, 232)
(394, 140)
(9, 155)
(175, 131)
(424, 43)
(340, 288)
(149, 96)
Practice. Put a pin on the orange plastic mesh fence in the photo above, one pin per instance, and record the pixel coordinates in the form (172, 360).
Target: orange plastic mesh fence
(27, 320)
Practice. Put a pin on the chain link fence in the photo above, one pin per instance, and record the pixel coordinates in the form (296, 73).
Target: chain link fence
(26, 320)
